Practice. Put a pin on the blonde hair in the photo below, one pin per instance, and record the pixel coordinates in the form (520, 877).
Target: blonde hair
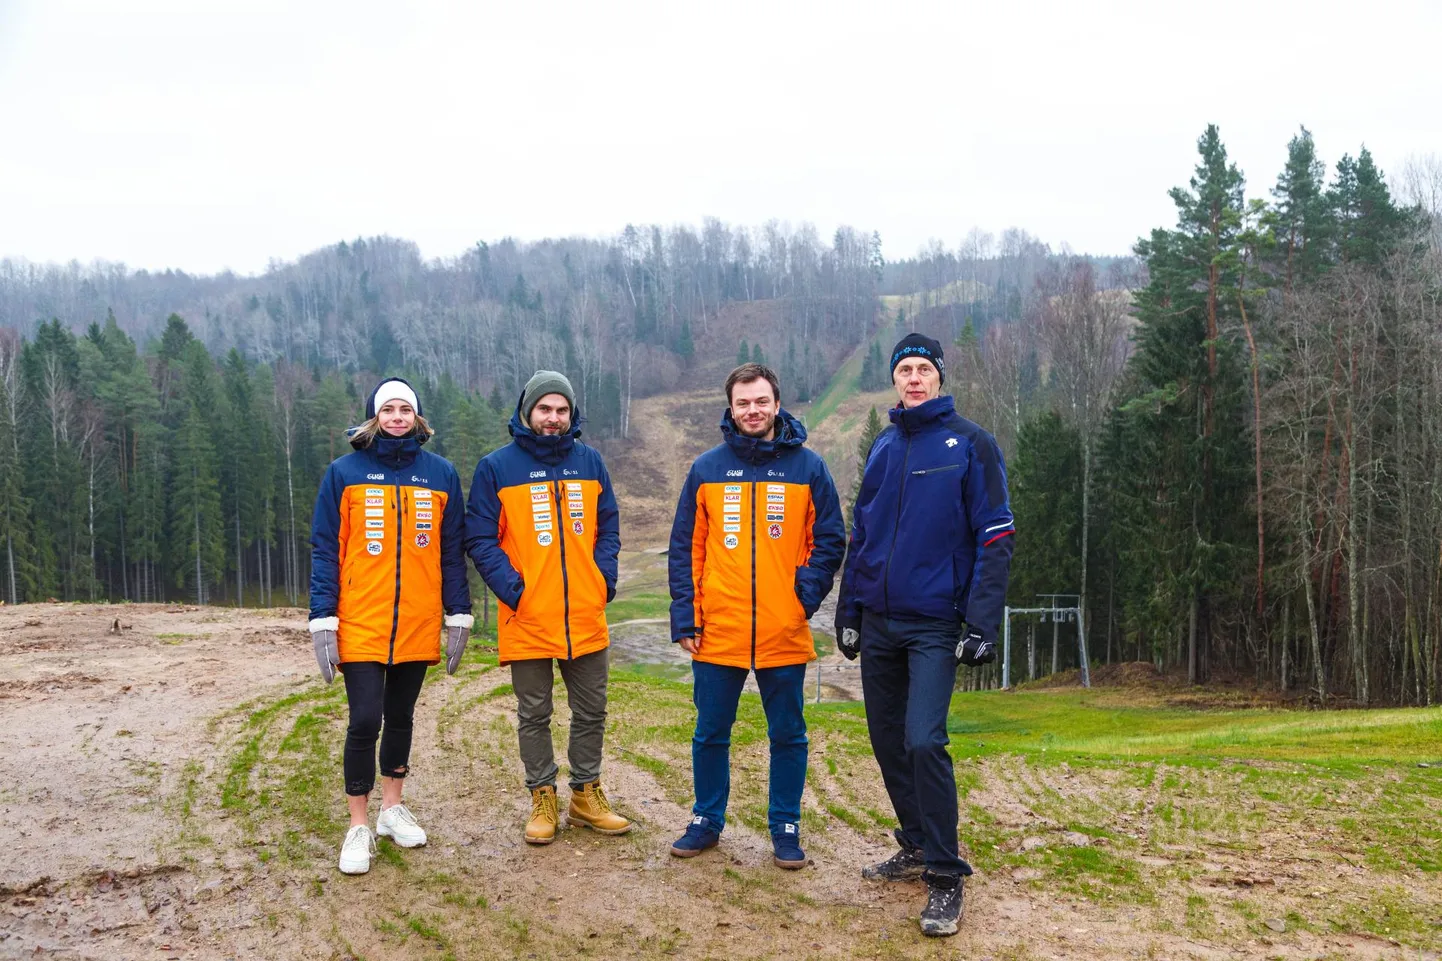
(363, 436)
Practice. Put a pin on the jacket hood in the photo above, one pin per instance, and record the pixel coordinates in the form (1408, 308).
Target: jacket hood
(790, 434)
(922, 416)
(549, 449)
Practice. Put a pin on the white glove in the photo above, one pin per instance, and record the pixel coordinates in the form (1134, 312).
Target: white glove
(327, 655)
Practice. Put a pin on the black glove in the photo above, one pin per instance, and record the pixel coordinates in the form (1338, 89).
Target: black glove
(973, 651)
(848, 642)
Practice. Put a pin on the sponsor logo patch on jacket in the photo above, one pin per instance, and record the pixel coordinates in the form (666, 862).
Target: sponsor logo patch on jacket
(732, 489)
(540, 497)
(776, 517)
(375, 522)
(577, 514)
(540, 507)
(731, 541)
(574, 495)
(375, 501)
(375, 512)
(775, 488)
(538, 488)
(730, 528)
(423, 525)
(423, 515)
(375, 492)
(731, 498)
(544, 527)
(775, 497)
(375, 534)
(775, 531)
(423, 539)
(373, 548)
(540, 518)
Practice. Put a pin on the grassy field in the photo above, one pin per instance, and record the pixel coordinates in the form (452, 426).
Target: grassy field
(1307, 833)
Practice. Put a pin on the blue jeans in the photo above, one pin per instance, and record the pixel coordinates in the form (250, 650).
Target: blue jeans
(908, 668)
(717, 691)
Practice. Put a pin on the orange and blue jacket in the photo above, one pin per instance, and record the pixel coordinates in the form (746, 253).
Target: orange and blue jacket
(755, 545)
(387, 557)
(543, 530)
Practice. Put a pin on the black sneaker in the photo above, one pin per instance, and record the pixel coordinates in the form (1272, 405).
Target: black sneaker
(942, 913)
(905, 865)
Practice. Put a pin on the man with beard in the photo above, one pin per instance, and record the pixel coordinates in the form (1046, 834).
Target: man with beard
(922, 592)
(544, 533)
(755, 545)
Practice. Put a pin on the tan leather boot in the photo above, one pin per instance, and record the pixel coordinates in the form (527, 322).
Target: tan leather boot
(541, 828)
(589, 808)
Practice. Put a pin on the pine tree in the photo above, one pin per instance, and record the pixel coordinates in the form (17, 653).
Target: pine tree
(1301, 218)
(1369, 225)
(1188, 395)
(757, 357)
(863, 451)
(743, 355)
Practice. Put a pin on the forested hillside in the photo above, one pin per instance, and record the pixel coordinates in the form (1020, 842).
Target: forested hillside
(161, 435)
(1238, 462)
(1229, 443)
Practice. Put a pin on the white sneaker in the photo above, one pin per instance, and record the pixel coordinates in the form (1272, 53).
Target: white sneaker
(399, 824)
(355, 853)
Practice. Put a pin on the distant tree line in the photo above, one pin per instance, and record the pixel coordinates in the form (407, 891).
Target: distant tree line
(622, 316)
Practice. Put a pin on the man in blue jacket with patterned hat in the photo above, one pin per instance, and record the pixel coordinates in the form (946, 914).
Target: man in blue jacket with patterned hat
(921, 592)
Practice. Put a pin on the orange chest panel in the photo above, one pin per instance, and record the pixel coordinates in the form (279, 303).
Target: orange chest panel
(774, 517)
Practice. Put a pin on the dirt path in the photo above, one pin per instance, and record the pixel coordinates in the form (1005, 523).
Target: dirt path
(143, 829)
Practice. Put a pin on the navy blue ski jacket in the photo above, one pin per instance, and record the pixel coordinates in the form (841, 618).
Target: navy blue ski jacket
(931, 534)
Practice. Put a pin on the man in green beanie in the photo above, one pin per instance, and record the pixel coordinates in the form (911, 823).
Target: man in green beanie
(543, 530)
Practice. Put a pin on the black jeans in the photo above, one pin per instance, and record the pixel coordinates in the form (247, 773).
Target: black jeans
(908, 668)
(377, 692)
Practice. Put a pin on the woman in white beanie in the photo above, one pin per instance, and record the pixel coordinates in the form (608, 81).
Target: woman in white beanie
(388, 568)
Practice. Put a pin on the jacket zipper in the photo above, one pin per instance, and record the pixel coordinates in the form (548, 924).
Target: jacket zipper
(895, 528)
(753, 569)
(565, 580)
(935, 470)
(396, 607)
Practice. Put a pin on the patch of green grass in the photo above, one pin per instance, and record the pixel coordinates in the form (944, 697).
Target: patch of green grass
(632, 607)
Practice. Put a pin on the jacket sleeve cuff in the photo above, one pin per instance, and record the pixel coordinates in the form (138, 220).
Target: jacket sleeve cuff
(460, 620)
(324, 624)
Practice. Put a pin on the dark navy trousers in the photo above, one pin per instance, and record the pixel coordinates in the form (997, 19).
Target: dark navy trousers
(908, 669)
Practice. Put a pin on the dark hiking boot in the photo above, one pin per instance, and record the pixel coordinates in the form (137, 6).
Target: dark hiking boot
(904, 865)
(942, 913)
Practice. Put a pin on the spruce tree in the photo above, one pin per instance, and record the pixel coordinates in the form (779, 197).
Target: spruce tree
(743, 354)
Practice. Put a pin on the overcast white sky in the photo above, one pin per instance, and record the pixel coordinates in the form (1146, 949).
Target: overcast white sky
(205, 135)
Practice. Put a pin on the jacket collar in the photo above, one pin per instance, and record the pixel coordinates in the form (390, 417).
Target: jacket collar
(790, 435)
(923, 416)
(549, 449)
(394, 452)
